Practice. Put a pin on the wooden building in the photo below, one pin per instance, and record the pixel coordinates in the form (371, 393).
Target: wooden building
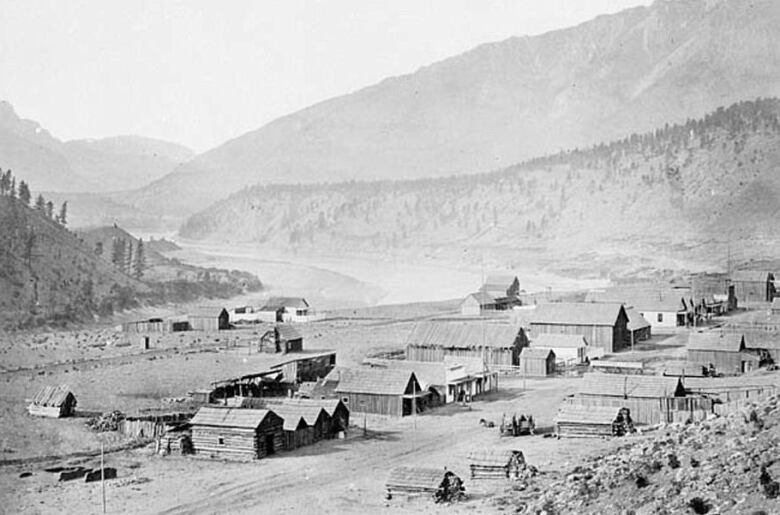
(715, 291)
(303, 367)
(751, 286)
(439, 484)
(245, 315)
(650, 399)
(497, 344)
(53, 401)
(495, 463)
(150, 325)
(478, 303)
(504, 290)
(661, 305)
(395, 393)
(285, 309)
(537, 362)
(603, 325)
(574, 420)
(765, 343)
(741, 389)
(568, 348)
(335, 414)
(612, 366)
(237, 433)
(721, 352)
(282, 338)
(638, 326)
(208, 318)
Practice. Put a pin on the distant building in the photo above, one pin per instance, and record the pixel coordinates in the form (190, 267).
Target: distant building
(726, 353)
(285, 309)
(662, 306)
(568, 348)
(537, 362)
(603, 325)
(54, 402)
(503, 289)
(494, 343)
(715, 290)
(775, 306)
(208, 318)
(300, 368)
(477, 304)
(753, 286)
(245, 315)
(282, 338)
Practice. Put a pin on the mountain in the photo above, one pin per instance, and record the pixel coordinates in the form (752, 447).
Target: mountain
(101, 165)
(504, 102)
(694, 192)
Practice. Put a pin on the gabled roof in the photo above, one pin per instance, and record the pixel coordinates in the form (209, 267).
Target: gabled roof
(463, 335)
(287, 332)
(536, 353)
(373, 381)
(751, 276)
(329, 406)
(52, 396)
(428, 373)
(643, 297)
(635, 385)
(417, 477)
(577, 313)
(635, 320)
(482, 297)
(276, 303)
(716, 341)
(205, 311)
(243, 418)
(578, 414)
(559, 341)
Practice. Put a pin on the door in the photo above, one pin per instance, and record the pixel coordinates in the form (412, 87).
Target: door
(269, 444)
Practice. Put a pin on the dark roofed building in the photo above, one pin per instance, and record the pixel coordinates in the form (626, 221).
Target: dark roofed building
(603, 325)
(494, 343)
(721, 352)
(638, 326)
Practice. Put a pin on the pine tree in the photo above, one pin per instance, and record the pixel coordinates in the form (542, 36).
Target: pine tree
(140, 260)
(118, 253)
(4, 182)
(49, 210)
(128, 264)
(63, 213)
(24, 193)
(40, 204)
(12, 190)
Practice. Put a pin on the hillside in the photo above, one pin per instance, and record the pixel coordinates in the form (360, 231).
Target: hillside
(504, 102)
(102, 165)
(690, 190)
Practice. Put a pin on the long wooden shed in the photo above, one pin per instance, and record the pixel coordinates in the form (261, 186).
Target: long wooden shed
(496, 463)
(440, 484)
(575, 420)
(603, 324)
(724, 352)
(237, 433)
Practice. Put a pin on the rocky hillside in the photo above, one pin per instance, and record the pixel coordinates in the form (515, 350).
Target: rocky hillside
(505, 102)
(726, 465)
(101, 165)
(706, 181)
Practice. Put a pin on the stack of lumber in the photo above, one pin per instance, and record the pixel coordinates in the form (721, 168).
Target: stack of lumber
(489, 463)
(441, 484)
(592, 421)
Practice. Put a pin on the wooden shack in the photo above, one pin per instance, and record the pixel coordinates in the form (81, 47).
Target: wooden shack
(537, 362)
(298, 368)
(638, 327)
(722, 352)
(440, 484)
(282, 338)
(285, 309)
(150, 325)
(503, 289)
(477, 303)
(495, 463)
(569, 348)
(650, 399)
(53, 401)
(328, 424)
(208, 318)
(603, 325)
(237, 433)
(575, 420)
(497, 344)
(751, 286)
(395, 393)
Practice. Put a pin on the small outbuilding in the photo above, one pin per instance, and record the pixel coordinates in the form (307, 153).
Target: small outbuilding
(282, 338)
(494, 463)
(638, 326)
(569, 348)
(722, 353)
(208, 318)
(477, 303)
(54, 402)
(237, 433)
(537, 362)
(441, 484)
(592, 421)
(306, 367)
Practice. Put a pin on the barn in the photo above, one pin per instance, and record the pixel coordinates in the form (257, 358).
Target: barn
(537, 362)
(395, 393)
(208, 318)
(604, 325)
(477, 303)
(751, 286)
(53, 401)
(661, 305)
(237, 433)
(723, 353)
(497, 344)
(568, 348)
(650, 399)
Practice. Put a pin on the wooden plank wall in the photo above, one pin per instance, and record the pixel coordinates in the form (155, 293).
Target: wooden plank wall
(391, 405)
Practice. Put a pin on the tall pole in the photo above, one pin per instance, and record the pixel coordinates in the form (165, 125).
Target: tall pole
(102, 475)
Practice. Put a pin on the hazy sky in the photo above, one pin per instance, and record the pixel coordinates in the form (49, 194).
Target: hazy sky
(202, 72)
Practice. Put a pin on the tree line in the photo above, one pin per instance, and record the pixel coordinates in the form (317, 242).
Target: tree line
(8, 188)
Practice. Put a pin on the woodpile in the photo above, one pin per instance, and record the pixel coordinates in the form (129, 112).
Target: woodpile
(441, 484)
(593, 421)
(109, 421)
(487, 464)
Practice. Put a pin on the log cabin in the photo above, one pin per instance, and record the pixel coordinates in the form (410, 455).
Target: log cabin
(237, 433)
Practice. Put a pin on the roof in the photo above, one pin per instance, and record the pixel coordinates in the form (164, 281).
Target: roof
(299, 356)
(243, 418)
(205, 311)
(275, 303)
(536, 353)
(608, 363)
(619, 385)
(758, 339)
(417, 477)
(725, 384)
(328, 405)
(499, 284)
(465, 334)
(577, 313)
(495, 457)
(751, 276)
(428, 373)
(716, 341)
(483, 298)
(574, 413)
(373, 381)
(643, 297)
(288, 332)
(52, 396)
(635, 320)
(472, 365)
(559, 341)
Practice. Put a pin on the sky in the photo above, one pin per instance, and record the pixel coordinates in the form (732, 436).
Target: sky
(202, 72)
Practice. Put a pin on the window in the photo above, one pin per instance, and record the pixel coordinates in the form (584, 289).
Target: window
(221, 440)
(660, 317)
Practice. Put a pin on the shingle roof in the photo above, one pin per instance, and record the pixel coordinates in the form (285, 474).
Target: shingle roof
(294, 410)
(288, 332)
(274, 303)
(577, 414)
(635, 320)
(619, 385)
(758, 339)
(374, 381)
(468, 334)
(577, 313)
(52, 396)
(230, 417)
(643, 297)
(559, 341)
(716, 341)
(495, 457)
(536, 353)
(417, 477)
